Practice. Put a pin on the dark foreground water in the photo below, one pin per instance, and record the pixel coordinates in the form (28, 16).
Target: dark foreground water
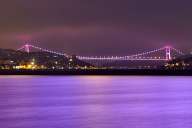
(95, 102)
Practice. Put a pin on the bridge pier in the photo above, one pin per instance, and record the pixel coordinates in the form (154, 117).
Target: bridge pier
(27, 48)
(168, 53)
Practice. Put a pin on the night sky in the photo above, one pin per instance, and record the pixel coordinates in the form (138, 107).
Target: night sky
(97, 27)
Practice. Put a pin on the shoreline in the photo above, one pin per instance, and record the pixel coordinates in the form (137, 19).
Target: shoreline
(160, 72)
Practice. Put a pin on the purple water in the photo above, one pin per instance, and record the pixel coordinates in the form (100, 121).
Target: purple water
(95, 102)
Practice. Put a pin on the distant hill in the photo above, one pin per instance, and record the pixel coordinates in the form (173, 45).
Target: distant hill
(182, 62)
(8, 56)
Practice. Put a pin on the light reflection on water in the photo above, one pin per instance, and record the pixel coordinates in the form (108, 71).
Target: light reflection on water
(95, 102)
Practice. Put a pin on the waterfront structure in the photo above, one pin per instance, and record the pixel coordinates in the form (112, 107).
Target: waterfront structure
(41, 58)
(149, 59)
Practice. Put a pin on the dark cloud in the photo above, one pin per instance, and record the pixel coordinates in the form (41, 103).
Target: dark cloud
(96, 26)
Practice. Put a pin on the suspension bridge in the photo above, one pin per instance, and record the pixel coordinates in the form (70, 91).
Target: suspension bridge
(166, 53)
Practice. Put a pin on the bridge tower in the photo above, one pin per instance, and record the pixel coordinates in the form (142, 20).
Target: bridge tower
(168, 52)
(27, 48)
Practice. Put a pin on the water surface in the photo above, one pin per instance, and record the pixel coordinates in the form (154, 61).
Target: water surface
(95, 102)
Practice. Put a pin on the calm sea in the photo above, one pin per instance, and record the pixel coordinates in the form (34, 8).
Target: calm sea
(95, 102)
